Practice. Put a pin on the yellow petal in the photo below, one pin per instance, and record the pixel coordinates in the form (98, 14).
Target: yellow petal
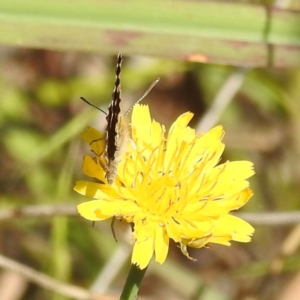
(90, 189)
(92, 169)
(178, 132)
(143, 252)
(90, 211)
(197, 243)
(141, 123)
(95, 139)
(238, 229)
(118, 208)
(161, 244)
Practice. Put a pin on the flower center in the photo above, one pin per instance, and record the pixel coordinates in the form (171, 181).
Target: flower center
(161, 198)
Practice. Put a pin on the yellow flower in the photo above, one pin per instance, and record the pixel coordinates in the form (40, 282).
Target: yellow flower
(168, 187)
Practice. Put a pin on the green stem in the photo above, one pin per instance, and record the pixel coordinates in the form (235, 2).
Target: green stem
(133, 283)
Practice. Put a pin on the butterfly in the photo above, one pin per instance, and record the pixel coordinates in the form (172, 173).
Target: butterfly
(117, 129)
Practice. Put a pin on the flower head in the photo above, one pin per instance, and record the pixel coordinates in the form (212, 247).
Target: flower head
(169, 187)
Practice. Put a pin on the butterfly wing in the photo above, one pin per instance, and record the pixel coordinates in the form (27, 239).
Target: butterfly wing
(114, 114)
(117, 134)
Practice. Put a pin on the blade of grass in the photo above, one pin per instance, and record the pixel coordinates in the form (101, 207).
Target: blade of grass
(206, 31)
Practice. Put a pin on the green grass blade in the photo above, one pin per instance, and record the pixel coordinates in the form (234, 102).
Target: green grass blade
(207, 31)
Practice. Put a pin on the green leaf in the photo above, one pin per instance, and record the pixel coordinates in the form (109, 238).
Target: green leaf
(204, 31)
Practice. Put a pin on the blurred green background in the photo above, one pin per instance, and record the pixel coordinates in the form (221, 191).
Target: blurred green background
(234, 79)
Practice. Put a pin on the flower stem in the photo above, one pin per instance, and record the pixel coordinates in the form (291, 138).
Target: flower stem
(133, 283)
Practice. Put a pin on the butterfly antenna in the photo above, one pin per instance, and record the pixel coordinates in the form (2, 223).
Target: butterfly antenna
(89, 103)
(153, 84)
